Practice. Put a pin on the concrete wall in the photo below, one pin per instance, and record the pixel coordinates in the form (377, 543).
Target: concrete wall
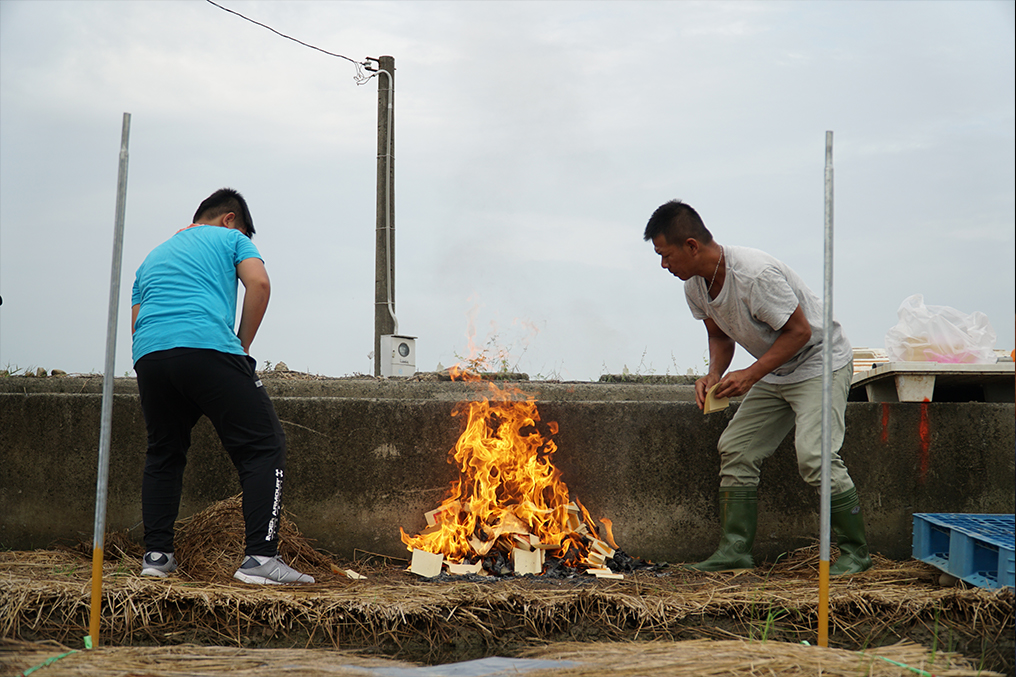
(366, 457)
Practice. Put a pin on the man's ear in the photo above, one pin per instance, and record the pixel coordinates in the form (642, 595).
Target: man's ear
(229, 221)
(692, 246)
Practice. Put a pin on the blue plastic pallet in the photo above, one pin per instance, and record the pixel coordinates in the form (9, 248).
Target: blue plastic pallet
(977, 549)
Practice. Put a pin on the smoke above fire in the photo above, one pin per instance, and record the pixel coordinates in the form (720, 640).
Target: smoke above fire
(501, 350)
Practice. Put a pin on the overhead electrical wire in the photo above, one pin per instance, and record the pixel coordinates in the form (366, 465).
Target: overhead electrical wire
(360, 77)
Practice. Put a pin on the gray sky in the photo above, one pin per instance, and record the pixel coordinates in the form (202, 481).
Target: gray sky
(533, 141)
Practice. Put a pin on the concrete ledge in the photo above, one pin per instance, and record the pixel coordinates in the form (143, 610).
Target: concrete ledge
(423, 387)
(370, 456)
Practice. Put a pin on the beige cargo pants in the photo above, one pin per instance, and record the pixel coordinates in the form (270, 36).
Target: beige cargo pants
(767, 414)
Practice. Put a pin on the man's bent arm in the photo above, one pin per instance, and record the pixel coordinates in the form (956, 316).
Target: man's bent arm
(257, 290)
(794, 334)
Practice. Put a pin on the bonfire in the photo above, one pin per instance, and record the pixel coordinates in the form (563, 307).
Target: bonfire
(509, 503)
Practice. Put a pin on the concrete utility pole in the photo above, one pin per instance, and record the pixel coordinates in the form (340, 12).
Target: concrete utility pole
(384, 250)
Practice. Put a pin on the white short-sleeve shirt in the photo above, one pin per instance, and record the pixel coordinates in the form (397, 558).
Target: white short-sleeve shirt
(758, 296)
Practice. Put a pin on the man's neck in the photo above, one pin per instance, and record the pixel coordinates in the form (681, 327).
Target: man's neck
(716, 263)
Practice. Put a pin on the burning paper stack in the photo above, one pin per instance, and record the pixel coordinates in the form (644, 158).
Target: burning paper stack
(509, 507)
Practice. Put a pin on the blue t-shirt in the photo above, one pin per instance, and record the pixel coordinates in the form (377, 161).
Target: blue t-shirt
(187, 291)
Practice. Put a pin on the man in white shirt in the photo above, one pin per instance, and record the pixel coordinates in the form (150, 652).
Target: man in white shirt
(746, 297)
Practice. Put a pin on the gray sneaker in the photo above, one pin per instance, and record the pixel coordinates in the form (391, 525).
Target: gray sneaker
(261, 570)
(159, 564)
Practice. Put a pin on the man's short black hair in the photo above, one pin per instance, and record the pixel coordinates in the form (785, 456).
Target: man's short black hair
(677, 222)
(223, 201)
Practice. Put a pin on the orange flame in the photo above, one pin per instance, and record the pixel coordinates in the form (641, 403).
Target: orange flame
(509, 494)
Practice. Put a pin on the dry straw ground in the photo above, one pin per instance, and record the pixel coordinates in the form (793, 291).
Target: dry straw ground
(673, 622)
(692, 658)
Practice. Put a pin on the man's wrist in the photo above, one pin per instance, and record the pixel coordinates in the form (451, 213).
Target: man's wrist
(757, 372)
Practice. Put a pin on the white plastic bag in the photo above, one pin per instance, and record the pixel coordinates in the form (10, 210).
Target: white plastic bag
(940, 334)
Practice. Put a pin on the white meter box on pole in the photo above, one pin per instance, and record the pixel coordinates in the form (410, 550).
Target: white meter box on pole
(398, 355)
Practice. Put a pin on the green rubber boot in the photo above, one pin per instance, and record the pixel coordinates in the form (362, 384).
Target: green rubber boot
(848, 525)
(738, 519)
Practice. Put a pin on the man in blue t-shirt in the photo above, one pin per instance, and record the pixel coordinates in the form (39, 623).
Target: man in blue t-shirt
(190, 362)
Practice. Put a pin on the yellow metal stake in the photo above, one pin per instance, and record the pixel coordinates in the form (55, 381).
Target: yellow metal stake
(96, 612)
(105, 432)
(827, 380)
(823, 602)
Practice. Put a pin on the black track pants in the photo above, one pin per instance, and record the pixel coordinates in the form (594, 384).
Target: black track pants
(177, 386)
